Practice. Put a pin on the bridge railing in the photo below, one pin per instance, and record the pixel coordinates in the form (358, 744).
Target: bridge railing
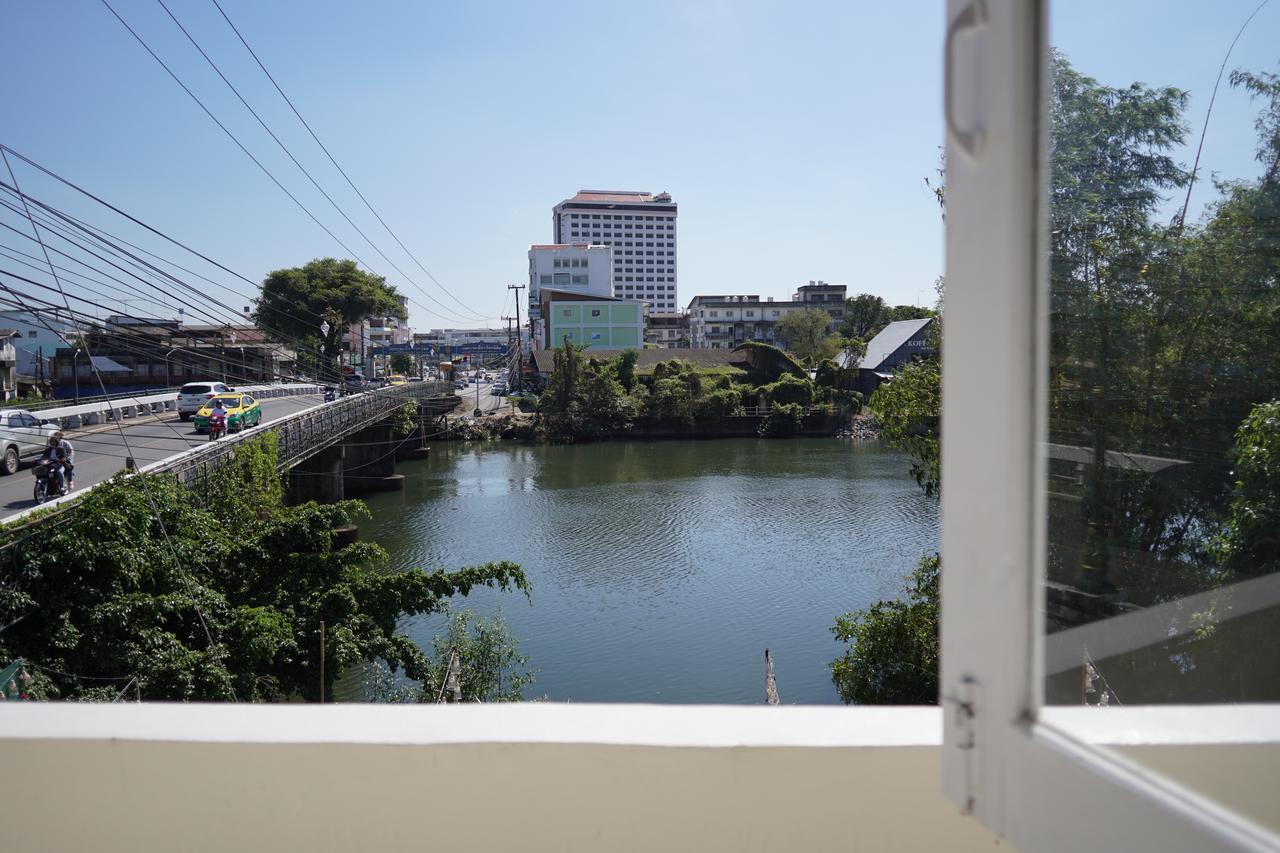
(304, 433)
(136, 405)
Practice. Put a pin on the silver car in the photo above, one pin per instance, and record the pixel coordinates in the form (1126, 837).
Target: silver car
(192, 396)
(22, 436)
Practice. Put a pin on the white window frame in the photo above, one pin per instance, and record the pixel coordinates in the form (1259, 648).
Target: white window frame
(1039, 777)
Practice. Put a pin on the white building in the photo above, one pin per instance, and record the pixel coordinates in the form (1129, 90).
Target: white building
(724, 322)
(575, 267)
(641, 229)
(38, 335)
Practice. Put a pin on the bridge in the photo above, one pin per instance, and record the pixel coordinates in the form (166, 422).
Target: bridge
(328, 451)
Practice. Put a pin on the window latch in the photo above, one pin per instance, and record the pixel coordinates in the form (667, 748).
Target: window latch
(961, 715)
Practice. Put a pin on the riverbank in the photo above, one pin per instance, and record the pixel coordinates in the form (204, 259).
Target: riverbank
(530, 427)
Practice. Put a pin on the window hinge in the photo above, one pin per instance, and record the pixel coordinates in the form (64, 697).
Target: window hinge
(962, 716)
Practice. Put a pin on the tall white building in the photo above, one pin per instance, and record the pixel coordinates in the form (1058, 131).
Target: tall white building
(640, 228)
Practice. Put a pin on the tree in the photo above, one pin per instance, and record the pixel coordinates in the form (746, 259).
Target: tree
(909, 409)
(213, 593)
(1250, 542)
(908, 312)
(402, 363)
(805, 333)
(297, 300)
(892, 654)
(490, 666)
(864, 315)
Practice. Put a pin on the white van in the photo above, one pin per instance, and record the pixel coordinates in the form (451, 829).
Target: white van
(194, 394)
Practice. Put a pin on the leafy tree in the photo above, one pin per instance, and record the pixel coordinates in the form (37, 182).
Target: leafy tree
(1250, 541)
(490, 666)
(908, 312)
(864, 315)
(767, 363)
(892, 654)
(296, 301)
(805, 333)
(403, 364)
(212, 593)
(909, 409)
(625, 367)
(583, 398)
(789, 389)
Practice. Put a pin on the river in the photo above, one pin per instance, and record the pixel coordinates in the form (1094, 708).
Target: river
(662, 570)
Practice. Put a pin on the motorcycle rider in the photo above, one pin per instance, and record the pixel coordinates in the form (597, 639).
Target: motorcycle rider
(61, 455)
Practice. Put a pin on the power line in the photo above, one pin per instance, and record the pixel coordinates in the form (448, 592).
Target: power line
(341, 171)
(289, 154)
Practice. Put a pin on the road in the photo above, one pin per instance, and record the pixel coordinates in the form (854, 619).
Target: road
(488, 401)
(100, 451)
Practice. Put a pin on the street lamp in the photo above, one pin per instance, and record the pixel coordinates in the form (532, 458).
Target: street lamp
(324, 335)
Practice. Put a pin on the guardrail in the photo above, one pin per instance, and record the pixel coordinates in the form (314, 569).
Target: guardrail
(305, 433)
(301, 434)
(125, 406)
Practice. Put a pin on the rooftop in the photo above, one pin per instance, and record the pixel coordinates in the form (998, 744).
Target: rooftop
(533, 246)
(890, 338)
(618, 197)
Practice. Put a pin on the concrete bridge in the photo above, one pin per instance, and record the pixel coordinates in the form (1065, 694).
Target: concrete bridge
(328, 450)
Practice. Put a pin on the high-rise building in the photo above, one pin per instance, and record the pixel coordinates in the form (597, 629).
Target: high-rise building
(641, 229)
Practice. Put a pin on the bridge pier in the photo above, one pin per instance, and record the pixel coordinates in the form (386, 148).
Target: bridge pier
(370, 464)
(319, 477)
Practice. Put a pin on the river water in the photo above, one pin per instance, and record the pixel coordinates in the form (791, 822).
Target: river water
(662, 570)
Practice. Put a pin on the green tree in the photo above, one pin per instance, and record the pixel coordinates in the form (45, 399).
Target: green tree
(892, 646)
(864, 315)
(909, 409)
(766, 363)
(1250, 540)
(296, 301)
(490, 666)
(805, 333)
(403, 364)
(908, 312)
(212, 593)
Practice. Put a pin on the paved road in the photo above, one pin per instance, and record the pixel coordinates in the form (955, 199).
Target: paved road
(100, 451)
(489, 402)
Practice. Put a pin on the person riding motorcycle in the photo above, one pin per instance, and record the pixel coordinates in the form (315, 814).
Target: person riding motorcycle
(61, 455)
(219, 414)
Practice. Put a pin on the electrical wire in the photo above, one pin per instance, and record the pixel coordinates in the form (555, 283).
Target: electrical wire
(341, 171)
(301, 168)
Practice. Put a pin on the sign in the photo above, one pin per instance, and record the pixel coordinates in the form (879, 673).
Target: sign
(406, 349)
(480, 348)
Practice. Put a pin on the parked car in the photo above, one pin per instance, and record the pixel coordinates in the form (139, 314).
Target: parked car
(242, 412)
(22, 436)
(193, 395)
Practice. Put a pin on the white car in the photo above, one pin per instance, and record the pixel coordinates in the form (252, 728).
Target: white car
(22, 436)
(194, 394)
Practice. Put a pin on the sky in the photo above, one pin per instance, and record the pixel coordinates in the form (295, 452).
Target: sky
(796, 138)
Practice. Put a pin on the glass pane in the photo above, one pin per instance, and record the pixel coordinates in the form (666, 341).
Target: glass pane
(1164, 364)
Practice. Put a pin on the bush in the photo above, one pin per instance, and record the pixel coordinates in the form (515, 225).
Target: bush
(892, 657)
(783, 421)
(718, 404)
(790, 390)
(768, 363)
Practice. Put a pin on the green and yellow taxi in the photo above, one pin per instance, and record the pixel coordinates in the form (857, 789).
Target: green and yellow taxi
(397, 379)
(242, 411)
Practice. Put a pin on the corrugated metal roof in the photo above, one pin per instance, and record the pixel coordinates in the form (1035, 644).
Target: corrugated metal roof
(886, 343)
(102, 364)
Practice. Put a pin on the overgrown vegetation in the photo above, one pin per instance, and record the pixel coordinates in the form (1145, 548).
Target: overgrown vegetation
(213, 593)
(588, 397)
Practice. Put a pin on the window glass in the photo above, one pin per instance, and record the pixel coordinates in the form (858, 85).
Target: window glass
(1163, 480)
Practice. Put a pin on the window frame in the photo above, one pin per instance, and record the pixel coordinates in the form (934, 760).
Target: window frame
(1032, 775)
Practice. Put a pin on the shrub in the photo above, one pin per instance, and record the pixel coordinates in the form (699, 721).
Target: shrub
(790, 389)
(783, 421)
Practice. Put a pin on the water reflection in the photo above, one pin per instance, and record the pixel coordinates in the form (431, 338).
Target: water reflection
(661, 570)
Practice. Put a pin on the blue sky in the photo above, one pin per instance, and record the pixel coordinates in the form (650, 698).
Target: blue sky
(795, 137)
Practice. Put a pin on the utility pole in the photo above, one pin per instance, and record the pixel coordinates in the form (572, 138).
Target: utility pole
(519, 344)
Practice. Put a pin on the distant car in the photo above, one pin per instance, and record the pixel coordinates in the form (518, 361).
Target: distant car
(415, 378)
(242, 412)
(396, 379)
(459, 385)
(498, 390)
(22, 436)
(193, 395)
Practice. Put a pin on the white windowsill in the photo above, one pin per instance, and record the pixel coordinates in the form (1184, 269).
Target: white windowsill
(703, 726)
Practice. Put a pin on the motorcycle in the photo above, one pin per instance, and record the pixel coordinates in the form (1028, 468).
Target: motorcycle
(46, 474)
(329, 394)
(217, 426)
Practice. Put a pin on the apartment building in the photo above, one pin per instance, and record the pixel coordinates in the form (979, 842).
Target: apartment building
(666, 330)
(583, 268)
(640, 227)
(724, 322)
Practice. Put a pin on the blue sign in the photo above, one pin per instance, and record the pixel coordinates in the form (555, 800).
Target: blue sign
(407, 349)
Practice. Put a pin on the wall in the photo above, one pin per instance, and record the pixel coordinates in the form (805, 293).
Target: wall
(212, 788)
(619, 325)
